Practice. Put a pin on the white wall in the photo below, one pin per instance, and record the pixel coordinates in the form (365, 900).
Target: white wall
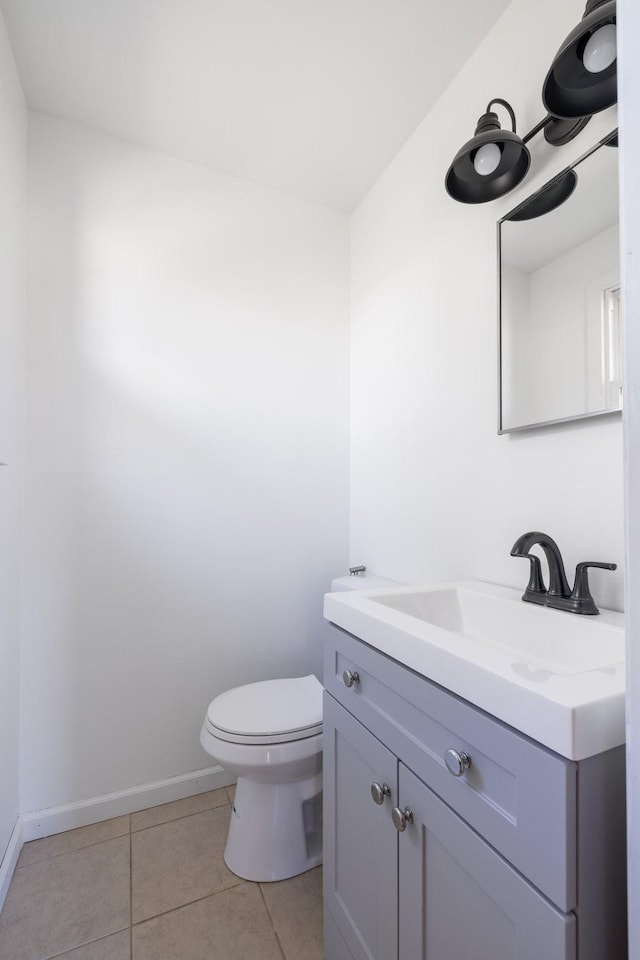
(436, 494)
(187, 466)
(13, 162)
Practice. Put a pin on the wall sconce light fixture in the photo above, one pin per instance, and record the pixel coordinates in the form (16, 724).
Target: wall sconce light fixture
(582, 78)
(581, 81)
(493, 162)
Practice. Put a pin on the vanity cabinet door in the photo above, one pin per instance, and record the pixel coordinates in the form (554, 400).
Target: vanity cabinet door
(460, 899)
(360, 841)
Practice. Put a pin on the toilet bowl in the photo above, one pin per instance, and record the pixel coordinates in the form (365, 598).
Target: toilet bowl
(269, 735)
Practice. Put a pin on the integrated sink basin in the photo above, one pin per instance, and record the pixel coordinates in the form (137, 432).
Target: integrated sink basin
(555, 676)
(561, 645)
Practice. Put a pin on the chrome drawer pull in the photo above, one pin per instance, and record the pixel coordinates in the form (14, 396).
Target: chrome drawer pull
(401, 818)
(456, 762)
(350, 678)
(380, 793)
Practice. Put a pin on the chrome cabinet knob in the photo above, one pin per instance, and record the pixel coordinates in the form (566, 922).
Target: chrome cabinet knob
(456, 762)
(350, 678)
(401, 818)
(380, 793)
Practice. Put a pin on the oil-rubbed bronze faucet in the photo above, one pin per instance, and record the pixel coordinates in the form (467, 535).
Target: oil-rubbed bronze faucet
(558, 596)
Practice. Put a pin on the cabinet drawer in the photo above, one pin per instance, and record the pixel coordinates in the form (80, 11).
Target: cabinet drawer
(518, 795)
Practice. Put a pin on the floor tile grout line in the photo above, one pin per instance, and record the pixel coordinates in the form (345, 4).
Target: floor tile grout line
(81, 946)
(208, 896)
(185, 816)
(56, 856)
(273, 926)
(130, 830)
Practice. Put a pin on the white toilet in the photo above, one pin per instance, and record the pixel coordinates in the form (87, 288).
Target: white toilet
(269, 735)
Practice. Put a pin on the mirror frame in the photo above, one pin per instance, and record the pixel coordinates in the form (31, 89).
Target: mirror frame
(609, 411)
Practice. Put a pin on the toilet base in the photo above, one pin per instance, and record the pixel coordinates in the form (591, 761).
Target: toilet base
(276, 829)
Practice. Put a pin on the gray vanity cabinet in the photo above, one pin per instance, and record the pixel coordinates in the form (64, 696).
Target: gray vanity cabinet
(521, 856)
(434, 891)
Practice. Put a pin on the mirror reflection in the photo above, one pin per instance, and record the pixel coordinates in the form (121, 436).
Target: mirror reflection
(559, 263)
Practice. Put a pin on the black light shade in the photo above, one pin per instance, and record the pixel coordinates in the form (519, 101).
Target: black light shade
(547, 199)
(465, 184)
(570, 90)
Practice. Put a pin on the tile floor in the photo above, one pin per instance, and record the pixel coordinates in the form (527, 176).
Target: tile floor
(154, 886)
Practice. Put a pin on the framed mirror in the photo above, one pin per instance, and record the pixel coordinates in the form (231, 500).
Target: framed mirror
(559, 298)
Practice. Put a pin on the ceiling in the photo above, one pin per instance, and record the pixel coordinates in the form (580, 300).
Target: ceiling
(312, 97)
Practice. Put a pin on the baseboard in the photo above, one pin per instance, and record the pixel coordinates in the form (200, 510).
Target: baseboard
(10, 859)
(44, 823)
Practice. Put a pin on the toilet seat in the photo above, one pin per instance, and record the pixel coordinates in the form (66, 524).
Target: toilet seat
(268, 712)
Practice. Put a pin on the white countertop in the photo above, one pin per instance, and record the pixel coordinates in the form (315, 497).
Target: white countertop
(577, 714)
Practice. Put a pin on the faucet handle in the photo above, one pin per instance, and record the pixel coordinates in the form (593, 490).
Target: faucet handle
(536, 591)
(581, 593)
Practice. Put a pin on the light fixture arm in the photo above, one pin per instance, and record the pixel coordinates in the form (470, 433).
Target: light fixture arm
(507, 107)
(538, 127)
(557, 131)
(549, 119)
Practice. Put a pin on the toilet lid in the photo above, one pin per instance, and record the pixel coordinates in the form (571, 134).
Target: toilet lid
(272, 711)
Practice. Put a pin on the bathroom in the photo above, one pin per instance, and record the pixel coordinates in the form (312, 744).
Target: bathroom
(232, 368)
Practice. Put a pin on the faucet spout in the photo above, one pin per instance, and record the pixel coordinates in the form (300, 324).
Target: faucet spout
(558, 596)
(558, 585)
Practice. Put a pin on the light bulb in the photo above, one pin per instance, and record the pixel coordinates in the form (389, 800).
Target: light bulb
(600, 51)
(487, 159)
